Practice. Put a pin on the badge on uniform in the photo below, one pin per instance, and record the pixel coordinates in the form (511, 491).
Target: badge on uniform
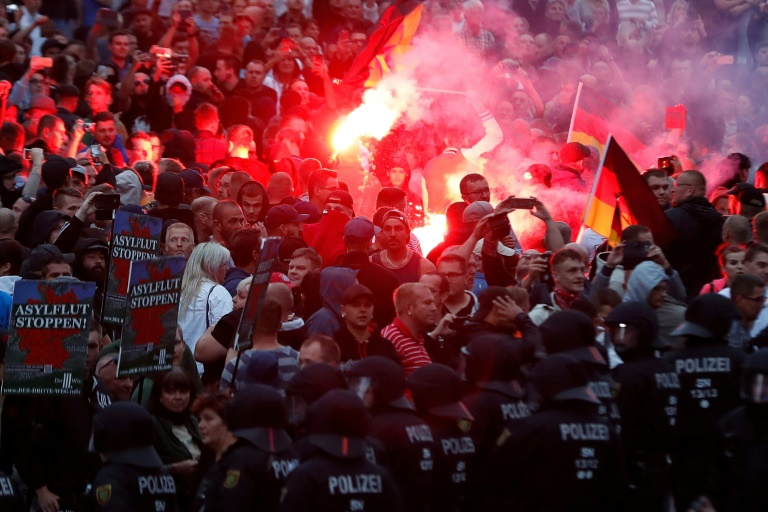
(230, 481)
(103, 494)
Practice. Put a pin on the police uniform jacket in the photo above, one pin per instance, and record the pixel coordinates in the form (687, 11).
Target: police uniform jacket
(709, 372)
(564, 457)
(249, 475)
(127, 488)
(455, 450)
(410, 450)
(340, 480)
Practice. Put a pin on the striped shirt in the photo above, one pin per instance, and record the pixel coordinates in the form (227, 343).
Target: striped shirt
(411, 350)
(287, 362)
(644, 10)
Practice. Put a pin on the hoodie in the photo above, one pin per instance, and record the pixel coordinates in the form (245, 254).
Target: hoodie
(334, 281)
(45, 223)
(184, 96)
(644, 278)
(129, 187)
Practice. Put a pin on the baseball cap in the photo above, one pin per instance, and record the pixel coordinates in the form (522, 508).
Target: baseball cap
(360, 227)
(341, 197)
(55, 171)
(193, 178)
(124, 433)
(752, 197)
(476, 211)
(279, 277)
(354, 292)
(572, 152)
(42, 102)
(288, 246)
(397, 215)
(708, 316)
(283, 214)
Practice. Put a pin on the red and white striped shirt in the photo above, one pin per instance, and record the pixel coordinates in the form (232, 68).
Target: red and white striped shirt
(411, 350)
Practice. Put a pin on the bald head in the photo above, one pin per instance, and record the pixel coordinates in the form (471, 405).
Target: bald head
(279, 187)
(280, 293)
(697, 179)
(204, 204)
(237, 181)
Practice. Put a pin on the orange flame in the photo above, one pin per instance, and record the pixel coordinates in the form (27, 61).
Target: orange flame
(432, 233)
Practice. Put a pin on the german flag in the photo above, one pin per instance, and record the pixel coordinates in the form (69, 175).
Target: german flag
(392, 38)
(621, 197)
(595, 117)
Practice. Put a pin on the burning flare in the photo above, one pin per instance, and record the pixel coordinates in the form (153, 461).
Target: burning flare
(432, 233)
(381, 108)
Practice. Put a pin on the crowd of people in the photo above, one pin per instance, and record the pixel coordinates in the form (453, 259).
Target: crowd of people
(507, 365)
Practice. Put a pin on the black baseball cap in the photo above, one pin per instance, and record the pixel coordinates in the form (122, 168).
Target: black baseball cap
(194, 179)
(283, 214)
(354, 292)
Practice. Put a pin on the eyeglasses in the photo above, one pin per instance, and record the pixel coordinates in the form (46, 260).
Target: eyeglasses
(139, 82)
(683, 185)
(482, 191)
(757, 300)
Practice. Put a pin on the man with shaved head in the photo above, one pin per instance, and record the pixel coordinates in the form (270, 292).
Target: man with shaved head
(227, 218)
(280, 186)
(699, 227)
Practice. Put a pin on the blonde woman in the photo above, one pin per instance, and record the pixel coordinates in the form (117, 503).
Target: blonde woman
(203, 299)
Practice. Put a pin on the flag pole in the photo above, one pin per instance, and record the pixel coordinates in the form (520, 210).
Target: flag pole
(573, 114)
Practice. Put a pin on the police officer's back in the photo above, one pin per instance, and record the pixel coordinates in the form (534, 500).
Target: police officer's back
(338, 476)
(11, 499)
(408, 441)
(133, 477)
(306, 387)
(565, 456)
(709, 372)
(250, 473)
(573, 333)
(436, 391)
(743, 450)
(648, 395)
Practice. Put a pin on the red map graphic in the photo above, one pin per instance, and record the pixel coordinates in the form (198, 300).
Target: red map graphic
(148, 322)
(46, 346)
(122, 267)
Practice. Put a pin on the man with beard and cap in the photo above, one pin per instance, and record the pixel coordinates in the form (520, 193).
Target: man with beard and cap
(498, 314)
(698, 227)
(709, 371)
(358, 234)
(565, 456)
(436, 392)
(358, 337)
(251, 472)
(573, 333)
(648, 395)
(338, 476)
(743, 445)
(406, 263)
(410, 447)
(133, 477)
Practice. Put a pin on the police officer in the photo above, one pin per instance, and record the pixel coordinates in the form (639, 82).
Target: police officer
(436, 391)
(573, 333)
(305, 388)
(133, 477)
(338, 476)
(709, 371)
(408, 441)
(11, 499)
(565, 456)
(744, 444)
(494, 397)
(250, 473)
(649, 391)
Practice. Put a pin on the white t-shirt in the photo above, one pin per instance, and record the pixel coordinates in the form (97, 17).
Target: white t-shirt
(193, 322)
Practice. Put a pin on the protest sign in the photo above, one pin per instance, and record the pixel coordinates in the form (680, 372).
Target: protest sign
(48, 338)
